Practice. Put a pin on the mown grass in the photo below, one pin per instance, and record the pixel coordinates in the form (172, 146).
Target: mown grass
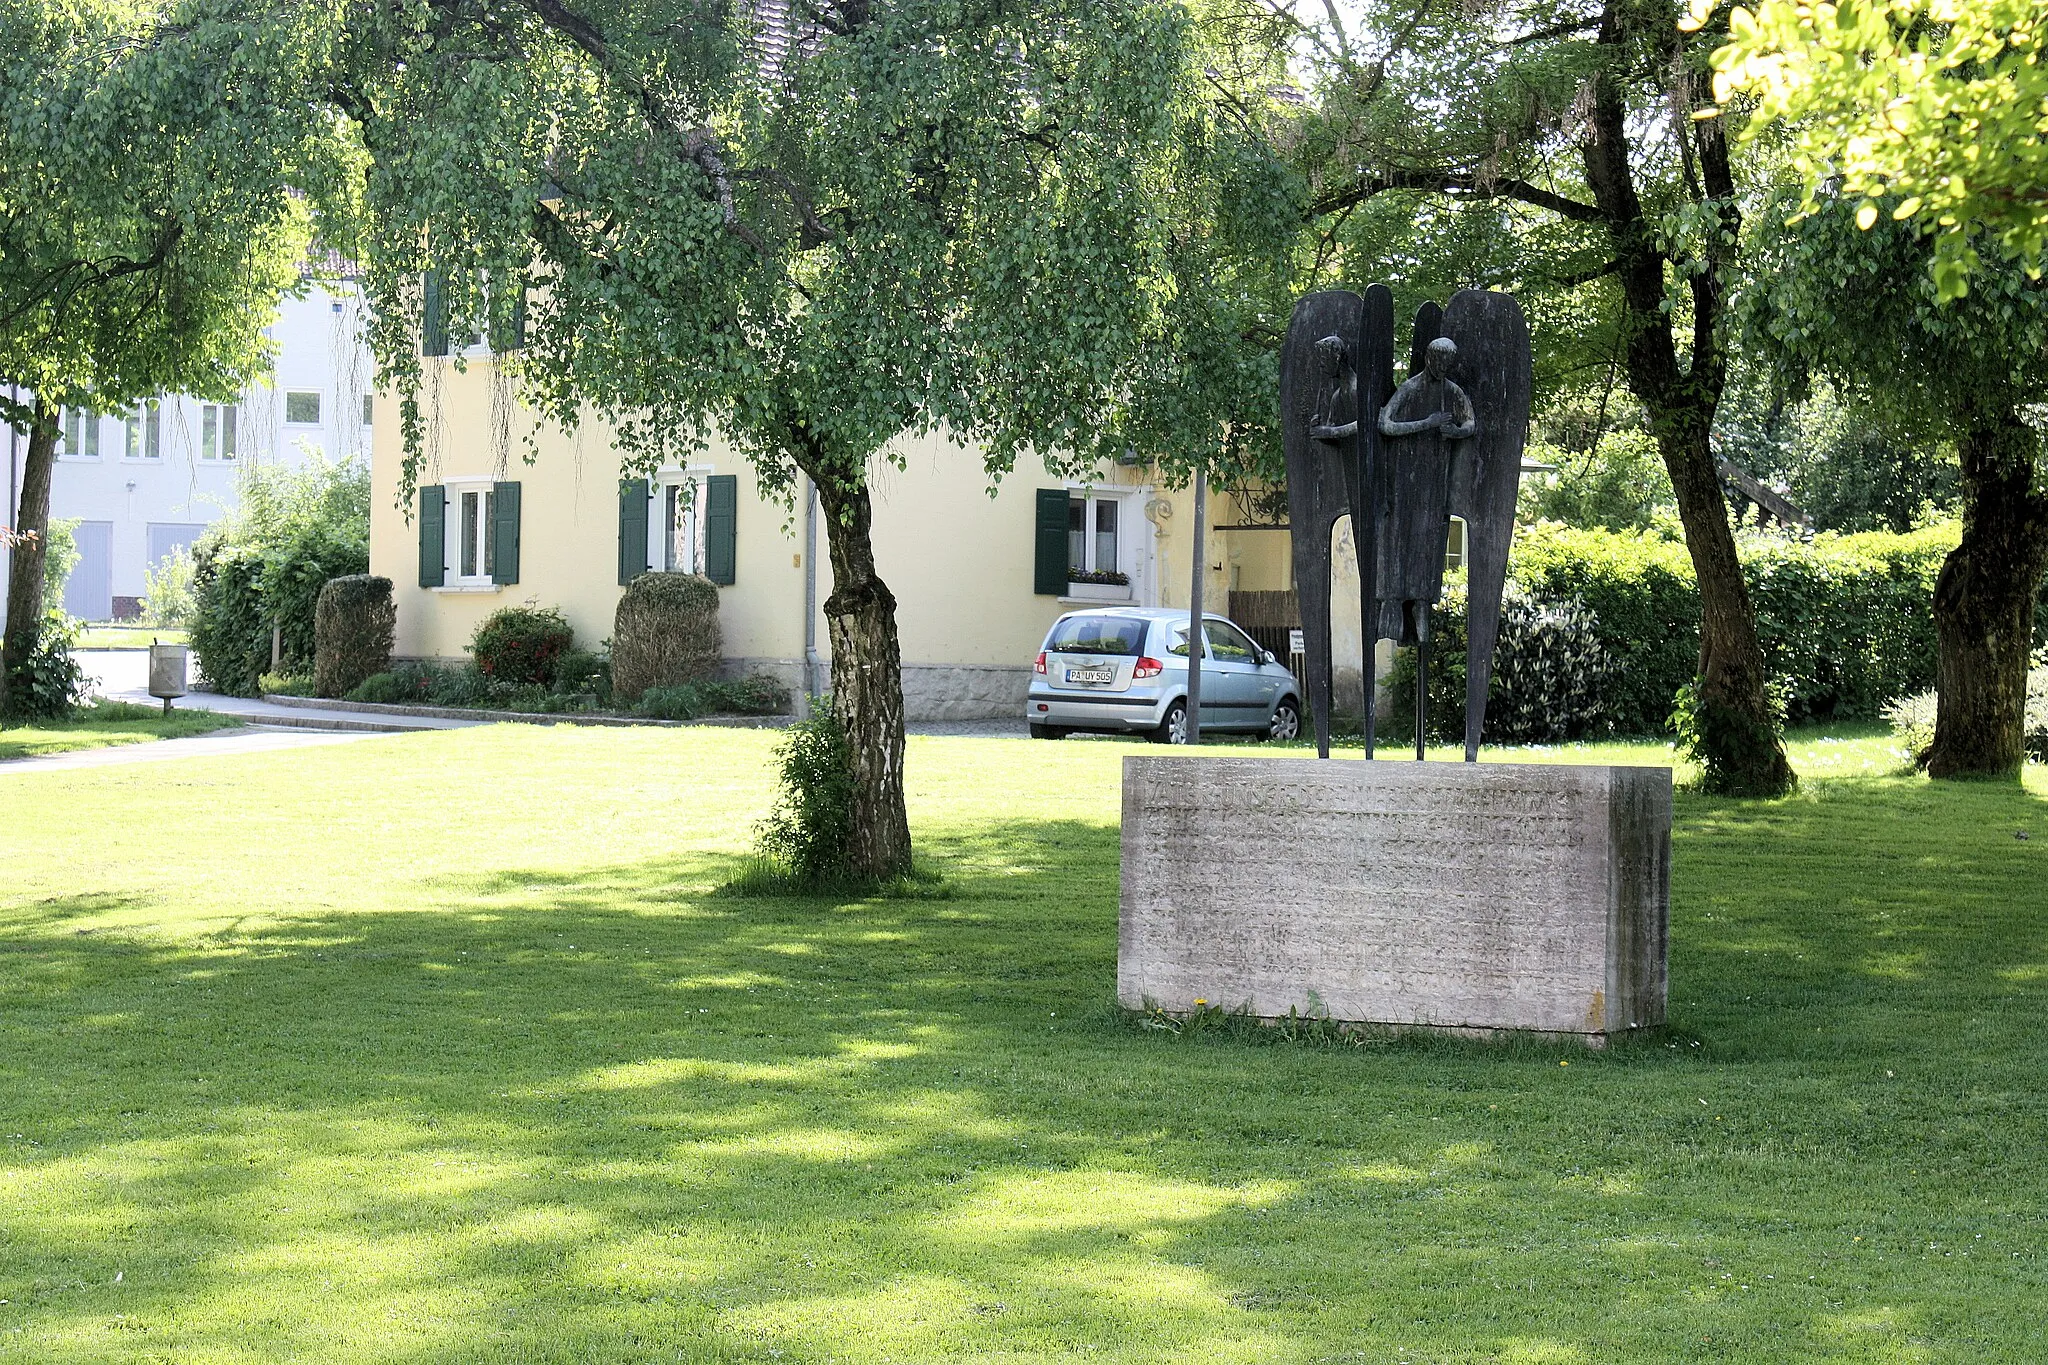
(441, 1050)
(107, 722)
(105, 635)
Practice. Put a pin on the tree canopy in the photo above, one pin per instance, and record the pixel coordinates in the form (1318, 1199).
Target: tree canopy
(1931, 110)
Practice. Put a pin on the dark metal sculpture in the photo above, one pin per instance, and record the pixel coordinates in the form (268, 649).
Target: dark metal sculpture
(1447, 442)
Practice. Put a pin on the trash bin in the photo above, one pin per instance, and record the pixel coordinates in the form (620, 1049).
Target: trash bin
(167, 672)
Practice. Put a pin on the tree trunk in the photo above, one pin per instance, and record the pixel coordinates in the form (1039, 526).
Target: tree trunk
(1984, 605)
(1737, 733)
(30, 552)
(867, 679)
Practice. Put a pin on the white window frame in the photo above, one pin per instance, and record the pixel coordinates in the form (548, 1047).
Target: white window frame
(452, 577)
(84, 421)
(1459, 536)
(657, 516)
(142, 433)
(319, 402)
(214, 445)
(1135, 543)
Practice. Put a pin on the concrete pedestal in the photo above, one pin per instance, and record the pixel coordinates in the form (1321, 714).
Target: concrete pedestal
(1474, 897)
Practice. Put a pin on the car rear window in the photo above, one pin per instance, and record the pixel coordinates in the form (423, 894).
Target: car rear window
(1097, 635)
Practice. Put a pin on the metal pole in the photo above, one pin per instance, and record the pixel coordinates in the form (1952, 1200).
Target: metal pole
(1422, 680)
(1197, 644)
(810, 595)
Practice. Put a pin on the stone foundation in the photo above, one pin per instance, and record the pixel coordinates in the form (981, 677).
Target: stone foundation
(1441, 895)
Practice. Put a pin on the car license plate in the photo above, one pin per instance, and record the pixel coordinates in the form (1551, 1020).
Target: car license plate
(1091, 675)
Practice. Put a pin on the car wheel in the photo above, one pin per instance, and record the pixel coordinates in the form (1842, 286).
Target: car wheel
(1173, 726)
(1047, 731)
(1286, 720)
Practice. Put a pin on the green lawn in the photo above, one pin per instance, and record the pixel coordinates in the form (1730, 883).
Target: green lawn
(106, 635)
(435, 1049)
(108, 722)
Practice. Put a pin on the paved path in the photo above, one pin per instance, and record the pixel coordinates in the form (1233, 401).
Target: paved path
(123, 675)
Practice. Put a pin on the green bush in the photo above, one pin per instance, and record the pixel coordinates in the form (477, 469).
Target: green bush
(167, 592)
(1600, 632)
(354, 625)
(1551, 675)
(264, 566)
(58, 561)
(522, 645)
(756, 695)
(420, 684)
(583, 672)
(1639, 591)
(49, 684)
(285, 685)
(665, 633)
(809, 833)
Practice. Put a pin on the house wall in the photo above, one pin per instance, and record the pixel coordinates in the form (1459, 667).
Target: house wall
(320, 350)
(958, 559)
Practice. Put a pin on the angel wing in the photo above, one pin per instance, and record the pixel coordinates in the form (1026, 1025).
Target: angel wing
(1493, 368)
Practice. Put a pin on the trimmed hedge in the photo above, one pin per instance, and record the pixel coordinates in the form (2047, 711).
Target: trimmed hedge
(522, 646)
(665, 633)
(1846, 621)
(354, 625)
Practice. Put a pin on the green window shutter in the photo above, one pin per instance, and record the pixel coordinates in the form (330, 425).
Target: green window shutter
(632, 529)
(721, 521)
(433, 315)
(1049, 565)
(505, 532)
(433, 536)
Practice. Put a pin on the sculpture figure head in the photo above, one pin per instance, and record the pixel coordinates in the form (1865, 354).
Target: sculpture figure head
(1332, 356)
(1437, 359)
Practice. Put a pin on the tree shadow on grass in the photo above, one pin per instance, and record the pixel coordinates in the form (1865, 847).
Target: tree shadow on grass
(606, 1116)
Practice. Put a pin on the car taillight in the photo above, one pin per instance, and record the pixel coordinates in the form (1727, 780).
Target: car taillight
(1148, 667)
(1039, 667)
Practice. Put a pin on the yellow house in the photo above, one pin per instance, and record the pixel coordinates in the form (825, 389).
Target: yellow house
(978, 575)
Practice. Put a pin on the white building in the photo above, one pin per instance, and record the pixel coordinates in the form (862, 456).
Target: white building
(143, 484)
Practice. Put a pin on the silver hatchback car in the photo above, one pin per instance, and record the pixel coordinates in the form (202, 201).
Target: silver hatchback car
(1124, 670)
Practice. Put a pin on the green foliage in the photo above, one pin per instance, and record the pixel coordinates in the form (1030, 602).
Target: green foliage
(421, 684)
(583, 672)
(58, 561)
(159, 171)
(755, 695)
(1640, 591)
(522, 646)
(49, 684)
(1618, 484)
(286, 685)
(1709, 730)
(1921, 110)
(169, 595)
(1552, 677)
(808, 836)
(354, 624)
(266, 563)
(1599, 632)
(665, 633)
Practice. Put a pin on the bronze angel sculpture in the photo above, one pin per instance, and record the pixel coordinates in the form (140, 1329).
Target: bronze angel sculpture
(1447, 442)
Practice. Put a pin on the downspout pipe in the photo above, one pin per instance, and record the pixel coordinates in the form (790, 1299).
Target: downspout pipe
(811, 665)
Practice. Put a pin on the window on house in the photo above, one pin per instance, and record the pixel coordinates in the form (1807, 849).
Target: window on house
(682, 542)
(368, 409)
(81, 434)
(475, 553)
(217, 431)
(1092, 541)
(302, 409)
(1454, 545)
(145, 431)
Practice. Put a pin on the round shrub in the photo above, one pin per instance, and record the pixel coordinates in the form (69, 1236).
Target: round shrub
(354, 624)
(665, 634)
(522, 645)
